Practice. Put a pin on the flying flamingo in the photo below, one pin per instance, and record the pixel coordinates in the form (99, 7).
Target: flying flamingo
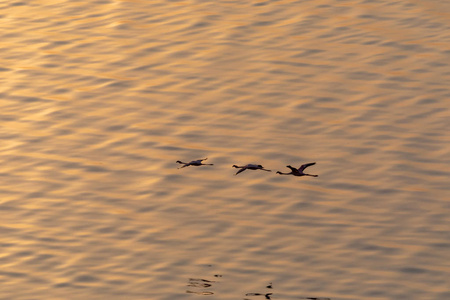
(249, 167)
(195, 163)
(299, 171)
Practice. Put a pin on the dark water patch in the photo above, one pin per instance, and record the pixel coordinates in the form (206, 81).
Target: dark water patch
(275, 95)
(106, 230)
(55, 44)
(71, 165)
(427, 101)
(359, 150)
(63, 285)
(412, 270)
(96, 169)
(375, 293)
(444, 91)
(416, 48)
(18, 4)
(301, 65)
(373, 17)
(441, 245)
(7, 245)
(248, 113)
(308, 52)
(435, 64)
(443, 295)
(420, 71)
(362, 75)
(366, 246)
(387, 191)
(86, 279)
(62, 115)
(366, 201)
(170, 148)
(403, 167)
(185, 118)
(388, 128)
(7, 118)
(175, 177)
(428, 147)
(39, 259)
(13, 274)
(48, 239)
(119, 84)
(427, 140)
(153, 239)
(400, 79)
(49, 66)
(369, 115)
(428, 113)
(336, 32)
(350, 186)
(263, 23)
(260, 4)
(6, 207)
(340, 211)
(114, 128)
(435, 173)
(200, 25)
(302, 205)
(35, 195)
(384, 137)
(116, 282)
(127, 234)
(162, 131)
(29, 99)
(148, 66)
(326, 99)
(81, 46)
(59, 91)
(261, 187)
(181, 54)
(371, 42)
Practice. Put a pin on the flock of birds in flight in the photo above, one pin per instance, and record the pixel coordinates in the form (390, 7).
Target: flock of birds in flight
(294, 171)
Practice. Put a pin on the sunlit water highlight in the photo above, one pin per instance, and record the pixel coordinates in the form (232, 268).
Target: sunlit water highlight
(99, 99)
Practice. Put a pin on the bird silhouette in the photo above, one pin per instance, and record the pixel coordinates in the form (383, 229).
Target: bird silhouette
(195, 163)
(299, 171)
(249, 167)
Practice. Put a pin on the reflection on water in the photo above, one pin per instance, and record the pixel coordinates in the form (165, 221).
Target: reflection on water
(273, 295)
(99, 99)
(267, 296)
(200, 285)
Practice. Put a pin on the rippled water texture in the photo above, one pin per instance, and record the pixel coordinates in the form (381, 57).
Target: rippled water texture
(99, 99)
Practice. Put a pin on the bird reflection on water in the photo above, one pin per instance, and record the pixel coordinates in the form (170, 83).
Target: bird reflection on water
(200, 285)
(269, 295)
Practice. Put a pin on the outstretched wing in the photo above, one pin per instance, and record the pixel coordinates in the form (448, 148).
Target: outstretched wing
(241, 170)
(292, 168)
(302, 167)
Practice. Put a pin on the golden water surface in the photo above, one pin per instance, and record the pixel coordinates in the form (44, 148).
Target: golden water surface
(99, 99)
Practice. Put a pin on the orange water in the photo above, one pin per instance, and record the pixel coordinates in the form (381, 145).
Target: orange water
(100, 98)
